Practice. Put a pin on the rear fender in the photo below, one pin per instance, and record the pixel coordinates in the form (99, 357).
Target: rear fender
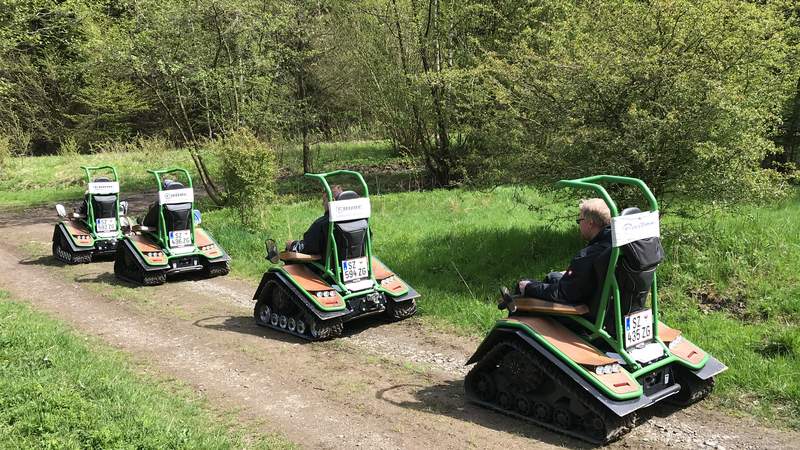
(140, 259)
(209, 247)
(70, 230)
(396, 289)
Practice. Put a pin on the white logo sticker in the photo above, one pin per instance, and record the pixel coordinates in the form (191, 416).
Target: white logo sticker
(353, 209)
(627, 229)
(173, 196)
(103, 187)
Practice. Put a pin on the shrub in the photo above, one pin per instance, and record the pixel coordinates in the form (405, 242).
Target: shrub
(249, 171)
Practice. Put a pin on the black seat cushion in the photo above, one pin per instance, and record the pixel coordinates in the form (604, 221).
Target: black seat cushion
(104, 206)
(636, 268)
(177, 216)
(351, 236)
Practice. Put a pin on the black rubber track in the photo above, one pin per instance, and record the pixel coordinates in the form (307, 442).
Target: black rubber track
(218, 269)
(63, 252)
(514, 379)
(397, 311)
(127, 268)
(282, 307)
(692, 390)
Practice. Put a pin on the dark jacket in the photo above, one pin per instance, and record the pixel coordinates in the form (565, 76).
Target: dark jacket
(315, 238)
(582, 279)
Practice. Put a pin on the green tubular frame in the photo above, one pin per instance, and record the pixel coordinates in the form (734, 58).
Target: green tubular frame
(611, 288)
(332, 264)
(89, 208)
(162, 226)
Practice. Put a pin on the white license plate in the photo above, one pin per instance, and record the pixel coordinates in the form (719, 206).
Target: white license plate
(354, 269)
(638, 327)
(105, 225)
(180, 238)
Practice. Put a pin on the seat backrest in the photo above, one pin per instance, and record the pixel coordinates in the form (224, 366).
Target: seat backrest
(177, 216)
(636, 267)
(351, 236)
(104, 206)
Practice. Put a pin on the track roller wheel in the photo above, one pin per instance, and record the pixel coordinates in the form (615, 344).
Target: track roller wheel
(524, 406)
(542, 412)
(485, 387)
(563, 418)
(262, 312)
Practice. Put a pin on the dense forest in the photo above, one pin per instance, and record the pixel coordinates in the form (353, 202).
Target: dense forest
(698, 98)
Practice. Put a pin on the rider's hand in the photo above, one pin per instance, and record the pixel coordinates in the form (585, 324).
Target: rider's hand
(522, 285)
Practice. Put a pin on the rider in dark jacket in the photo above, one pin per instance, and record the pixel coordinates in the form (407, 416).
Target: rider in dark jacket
(582, 278)
(316, 237)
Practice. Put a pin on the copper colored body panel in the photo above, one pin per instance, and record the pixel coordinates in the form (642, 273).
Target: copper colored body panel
(380, 271)
(687, 351)
(566, 341)
(620, 382)
(201, 239)
(667, 334)
(528, 304)
(76, 229)
(297, 256)
(309, 281)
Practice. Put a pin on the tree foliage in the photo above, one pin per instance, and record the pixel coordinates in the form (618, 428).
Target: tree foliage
(697, 98)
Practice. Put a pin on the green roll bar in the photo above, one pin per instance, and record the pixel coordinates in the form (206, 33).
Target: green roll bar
(331, 252)
(162, 229)
(610, 285)
(90, 222)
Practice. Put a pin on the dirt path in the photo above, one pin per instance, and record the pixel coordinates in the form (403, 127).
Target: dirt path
(389, 386)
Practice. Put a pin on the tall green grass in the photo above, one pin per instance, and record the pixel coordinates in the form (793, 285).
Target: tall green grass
(730, 280)
(41, 179)
(59, 393)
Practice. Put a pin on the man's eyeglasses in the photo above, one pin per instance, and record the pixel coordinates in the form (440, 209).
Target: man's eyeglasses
(578, 221)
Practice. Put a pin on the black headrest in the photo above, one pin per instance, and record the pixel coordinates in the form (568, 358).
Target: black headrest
(101, 180)
(169, 185)
(347, 195)
(629, 211)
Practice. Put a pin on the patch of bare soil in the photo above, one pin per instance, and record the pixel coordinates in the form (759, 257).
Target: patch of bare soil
(710, 300)
(383, 385)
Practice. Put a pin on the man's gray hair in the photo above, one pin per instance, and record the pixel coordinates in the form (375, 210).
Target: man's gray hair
(596, 211)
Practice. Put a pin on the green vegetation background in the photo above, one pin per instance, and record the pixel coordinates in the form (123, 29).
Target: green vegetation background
(731, 280)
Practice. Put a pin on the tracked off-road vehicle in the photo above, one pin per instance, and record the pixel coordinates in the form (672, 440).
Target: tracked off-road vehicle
(167, 240)
(312, 296)
(96, 226)
(585, 370)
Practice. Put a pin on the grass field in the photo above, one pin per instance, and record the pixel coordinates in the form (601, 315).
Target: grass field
(731, 280)
(61, 390)
(50, 179)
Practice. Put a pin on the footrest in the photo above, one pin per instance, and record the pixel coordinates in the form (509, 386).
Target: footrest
(297, 256)
(529, 304)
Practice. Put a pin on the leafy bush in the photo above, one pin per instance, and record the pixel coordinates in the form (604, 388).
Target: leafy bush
(656, 90)
(249, 172)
